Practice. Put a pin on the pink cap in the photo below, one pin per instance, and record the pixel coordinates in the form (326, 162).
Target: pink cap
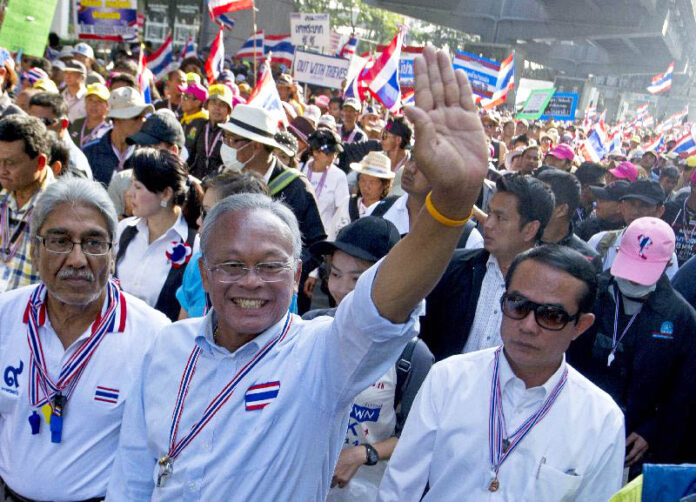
(646, 248)
(693, 176)
(625, 171)
(322, 101)
(563, 152)
(197, 91)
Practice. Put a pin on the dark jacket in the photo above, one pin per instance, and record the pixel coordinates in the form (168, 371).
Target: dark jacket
(652, 377)
(593, 225)
(574, 242)
(201, 165)
(191, 130)
(101, 158)
(164, 104)
(684, 281)
(451, 306)
(354, 152)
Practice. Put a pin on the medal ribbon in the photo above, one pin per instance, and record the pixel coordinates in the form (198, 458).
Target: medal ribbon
(176, 447)
(322, 180)
(122, 157)
(209, 148)
(72, 369)
(496, 418)
(84, 139)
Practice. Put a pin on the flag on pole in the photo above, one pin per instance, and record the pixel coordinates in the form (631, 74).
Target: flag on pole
(143, 82)
(216, 60)
(593, 148)
(246, 51)
(383, 77)
(265, 94)
(189, 49)
(226, 21)
(504, 84)
(281, 49)
(662, 82)
(217, 7)
(356, 88)
(657, 145)
(348, 48)
(161, 60)
(686, 145)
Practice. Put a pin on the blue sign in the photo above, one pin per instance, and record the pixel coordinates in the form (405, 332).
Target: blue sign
(561, 107)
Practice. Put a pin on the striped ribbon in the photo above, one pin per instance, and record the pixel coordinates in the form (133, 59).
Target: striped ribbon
(176, 447)
(501, 447)
(35, 316)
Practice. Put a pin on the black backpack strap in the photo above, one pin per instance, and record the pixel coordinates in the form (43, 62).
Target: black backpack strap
(126, 237)
(166, 301)
(353, 208)
(403, 369)
(384, 206)
(468, 228)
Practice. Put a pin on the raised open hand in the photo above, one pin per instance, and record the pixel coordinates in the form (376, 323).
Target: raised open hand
(450, 144)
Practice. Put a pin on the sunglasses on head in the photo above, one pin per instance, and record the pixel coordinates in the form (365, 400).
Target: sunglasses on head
(550, 317)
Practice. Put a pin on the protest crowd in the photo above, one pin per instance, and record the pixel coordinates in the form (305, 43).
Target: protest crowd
(219, 283)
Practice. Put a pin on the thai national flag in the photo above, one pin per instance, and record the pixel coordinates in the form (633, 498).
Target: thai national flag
(265, 95)
(656, 145)
(106, 395)
(259, 396)
(246, 51)
(686, 145)
(504, 84)
(662, 82)
(281, 49)
(383, 78)
(216, 60)
(143, 82)
(189, 49)
(161, 60)
(593, 149)
(348, 48)
(226, 21)
(217, 7)
(408, 98)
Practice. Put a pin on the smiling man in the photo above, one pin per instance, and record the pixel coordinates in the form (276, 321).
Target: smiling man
(70, 348)
(256, 377)
(534, 428)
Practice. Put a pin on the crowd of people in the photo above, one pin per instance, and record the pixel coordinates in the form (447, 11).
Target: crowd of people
(439, 304)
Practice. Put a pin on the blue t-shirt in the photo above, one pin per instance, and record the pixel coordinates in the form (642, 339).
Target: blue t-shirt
(191, 294)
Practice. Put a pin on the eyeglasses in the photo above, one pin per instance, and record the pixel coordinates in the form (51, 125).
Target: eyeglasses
(230, 141)
(546, 316)
(233, 271)
(63, 245)
(48, 121)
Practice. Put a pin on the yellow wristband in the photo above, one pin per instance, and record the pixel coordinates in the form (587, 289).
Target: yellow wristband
(441, 218)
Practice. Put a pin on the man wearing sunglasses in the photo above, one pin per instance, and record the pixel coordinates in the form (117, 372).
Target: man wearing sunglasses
(516, 422)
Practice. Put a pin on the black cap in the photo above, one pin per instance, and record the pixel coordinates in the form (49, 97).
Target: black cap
(645, 190)
(369, 238)
(325, 141)
(613, 191)
(161, 126)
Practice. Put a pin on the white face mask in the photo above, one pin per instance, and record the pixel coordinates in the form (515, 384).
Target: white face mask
(229, 158)
(634, 291)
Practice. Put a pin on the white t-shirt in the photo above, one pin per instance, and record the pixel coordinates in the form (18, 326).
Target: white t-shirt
(330, 189)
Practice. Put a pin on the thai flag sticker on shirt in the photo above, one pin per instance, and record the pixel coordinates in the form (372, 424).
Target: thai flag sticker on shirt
(259, 396)
(106, 395)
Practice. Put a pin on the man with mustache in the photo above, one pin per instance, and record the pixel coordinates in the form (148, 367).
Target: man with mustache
(70, 348)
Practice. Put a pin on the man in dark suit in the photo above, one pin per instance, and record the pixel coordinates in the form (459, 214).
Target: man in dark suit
(463, 311)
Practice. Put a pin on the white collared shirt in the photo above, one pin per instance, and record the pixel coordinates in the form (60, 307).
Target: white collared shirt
(286, 451)
(485, 330)
(78, 468)
(144, 267)
(76, 104)
(575, 453)
(331, 194)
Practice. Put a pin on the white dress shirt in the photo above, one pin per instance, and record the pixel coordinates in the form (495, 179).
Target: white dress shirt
(78, 468)
(76, 103)
(285, 452)
(614, 249)
(144, 267)
(333, 192)
(575, 453)
(485, 330)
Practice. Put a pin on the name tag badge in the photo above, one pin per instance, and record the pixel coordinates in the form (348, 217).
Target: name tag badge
(259, 396)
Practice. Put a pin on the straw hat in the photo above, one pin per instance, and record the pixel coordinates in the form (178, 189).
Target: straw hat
(374, 164)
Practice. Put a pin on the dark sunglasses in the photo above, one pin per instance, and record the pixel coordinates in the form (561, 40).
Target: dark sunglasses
(549, 317)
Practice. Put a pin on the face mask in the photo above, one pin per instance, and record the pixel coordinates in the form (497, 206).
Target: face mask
(229, 158)
(634, 291)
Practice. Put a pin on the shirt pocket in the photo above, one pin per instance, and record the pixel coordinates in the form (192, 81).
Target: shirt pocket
(554, 485)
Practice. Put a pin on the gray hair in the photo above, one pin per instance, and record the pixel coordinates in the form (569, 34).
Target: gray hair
(78, 192)
(246, 202)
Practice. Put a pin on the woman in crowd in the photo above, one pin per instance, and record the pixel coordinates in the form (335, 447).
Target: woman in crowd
(155, 244)
(379, 412)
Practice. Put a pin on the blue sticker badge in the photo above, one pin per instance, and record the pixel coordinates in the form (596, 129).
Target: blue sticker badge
(667, 328)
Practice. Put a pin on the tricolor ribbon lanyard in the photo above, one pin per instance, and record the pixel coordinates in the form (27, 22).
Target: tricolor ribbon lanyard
(52, 396)
(351, 136)
(614, 340)
(322, 180)
(209, 148)
(90, 136)
(501, 447)
(11, 239)
(122, 157)
(166, 462)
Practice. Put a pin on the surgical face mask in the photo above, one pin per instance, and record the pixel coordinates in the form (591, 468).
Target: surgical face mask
(229, 157)
(634, 291)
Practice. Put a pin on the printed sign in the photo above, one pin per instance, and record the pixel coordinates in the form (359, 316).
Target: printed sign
(562, 106)
(482, 72)
(113, 20)
(316, 69)
(536, 103)
(25, 27)
(311, 30)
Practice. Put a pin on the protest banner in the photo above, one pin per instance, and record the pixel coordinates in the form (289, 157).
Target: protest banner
(310, 30)
(536, 103)
(316, 69)
(408, 54)
(26, 25)
(113, 20)
(562, 106)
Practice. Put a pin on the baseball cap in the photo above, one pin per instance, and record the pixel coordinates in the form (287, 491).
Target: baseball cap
(196, 90)
(127, 103)
(327, 121)
(322, 101)
(221, 92)
(646, 248)
(99, 90)
(84, 49)
(161, 126)
(369, 238)
(354, 103)
(563, 152)
(645, 190)
(636, 139)
(691, 161)
(613, 191)
(76, 67)
(312, 113)
(625, 171)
